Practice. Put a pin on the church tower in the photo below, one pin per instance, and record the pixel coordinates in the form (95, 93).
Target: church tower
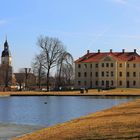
(6, 56)
(6, 71)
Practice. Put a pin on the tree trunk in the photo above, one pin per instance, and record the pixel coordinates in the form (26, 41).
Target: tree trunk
(59, 76)
(39, 78)
(48, 79)
(20, 85)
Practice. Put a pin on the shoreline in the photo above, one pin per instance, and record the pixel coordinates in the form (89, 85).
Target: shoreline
(118, 122)
(99, 95)
(91, 92)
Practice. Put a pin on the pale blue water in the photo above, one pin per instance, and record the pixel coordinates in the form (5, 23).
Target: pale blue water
(50, 110)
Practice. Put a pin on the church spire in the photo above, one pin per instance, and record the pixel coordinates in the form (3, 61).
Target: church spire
(6, 51)
(6, 46)
(6, 56)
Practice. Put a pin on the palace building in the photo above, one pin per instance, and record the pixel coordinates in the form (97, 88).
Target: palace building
(108, 70)
(6, 73)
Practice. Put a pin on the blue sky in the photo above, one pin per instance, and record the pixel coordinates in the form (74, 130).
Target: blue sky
(79, 24)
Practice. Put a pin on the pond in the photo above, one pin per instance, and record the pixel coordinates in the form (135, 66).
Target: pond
(50, 110)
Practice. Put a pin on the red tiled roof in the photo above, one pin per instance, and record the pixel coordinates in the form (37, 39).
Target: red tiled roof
(121, 56)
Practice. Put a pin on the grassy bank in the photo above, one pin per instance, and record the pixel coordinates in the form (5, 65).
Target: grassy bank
(120, 122)
(90, 92)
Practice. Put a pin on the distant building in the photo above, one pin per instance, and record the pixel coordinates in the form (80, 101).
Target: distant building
(7, 78)
(21, 80)
(108, 70)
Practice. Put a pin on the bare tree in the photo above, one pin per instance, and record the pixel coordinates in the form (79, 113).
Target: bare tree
(25, 78)
(38, 68)
(64, 69)
(20, 79)
(25, 72)
(68, 74)
(52, 49)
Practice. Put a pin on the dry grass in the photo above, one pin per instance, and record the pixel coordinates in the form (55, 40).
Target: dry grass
(120, 122)
(5, 93)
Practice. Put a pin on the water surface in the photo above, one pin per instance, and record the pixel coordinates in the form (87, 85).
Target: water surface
(50, 110)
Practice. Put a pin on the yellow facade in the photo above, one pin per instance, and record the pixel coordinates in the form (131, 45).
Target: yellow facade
(108, 72)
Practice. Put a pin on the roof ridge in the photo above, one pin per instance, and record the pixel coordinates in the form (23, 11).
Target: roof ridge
(97, 56)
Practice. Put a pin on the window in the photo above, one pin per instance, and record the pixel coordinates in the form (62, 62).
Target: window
(79, 65)
(85, 74)
(120, 73)
(134, 83)
(128, 84)
(120, 83)
(102, 83)
(102, 73)
(112, 83)
(120, 65)
(134, 65)
(96, 65)
(79, 74)
(85, 65)
(107, 73)
(112, 65)
(96, 74)
(112, 73)
(107, 64)
(96, 83)
(102, 64)
(90, 65)
(128, 74)
(134, 74)
(79, 83)
(91, 74)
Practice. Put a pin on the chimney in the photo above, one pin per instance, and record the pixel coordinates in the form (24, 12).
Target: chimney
(98, 51)
(135, 51)
(87, 51)
(123, 50)
(110, 50)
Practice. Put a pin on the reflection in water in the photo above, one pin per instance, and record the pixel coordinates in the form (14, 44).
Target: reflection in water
(50, 110)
